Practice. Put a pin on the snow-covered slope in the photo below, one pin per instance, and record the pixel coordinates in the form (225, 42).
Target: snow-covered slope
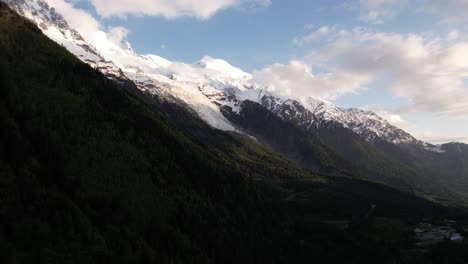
(56, 27)
(205, 85)
(221, 67)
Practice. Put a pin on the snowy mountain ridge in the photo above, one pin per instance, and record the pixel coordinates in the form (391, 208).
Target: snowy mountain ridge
(56, 28)
(204, 86)
(311, 111)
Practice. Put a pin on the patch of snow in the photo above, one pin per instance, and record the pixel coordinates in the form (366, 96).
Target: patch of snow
(222, 67)
(433, 148)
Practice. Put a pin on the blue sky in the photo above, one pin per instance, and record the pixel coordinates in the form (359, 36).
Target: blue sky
(405, 59)
(250, 39)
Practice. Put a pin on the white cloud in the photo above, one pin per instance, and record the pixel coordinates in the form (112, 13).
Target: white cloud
(457, 56)
(201, 9)
(377, 11)
(450, 11)
(373, 4)
(118, 36)
(296, 80)
(421, 125)
(321, 33)
(393, 118)
(435, 139)
(430, 74)
(78, 19)
(453, 35)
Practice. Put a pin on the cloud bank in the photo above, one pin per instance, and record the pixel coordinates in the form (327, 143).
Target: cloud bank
(296, 80)
(431, 73)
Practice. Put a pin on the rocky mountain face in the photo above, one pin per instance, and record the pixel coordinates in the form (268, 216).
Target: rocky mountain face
(311, 113)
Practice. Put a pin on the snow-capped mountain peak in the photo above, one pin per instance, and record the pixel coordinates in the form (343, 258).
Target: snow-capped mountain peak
(222, 67)
(158, 61)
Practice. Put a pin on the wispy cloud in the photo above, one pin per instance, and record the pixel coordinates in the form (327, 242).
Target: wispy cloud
(324, 32)
(201, 9)
(379, 11)
(434, 139)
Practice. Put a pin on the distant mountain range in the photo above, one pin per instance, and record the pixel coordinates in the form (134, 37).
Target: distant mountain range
(310, 131)
(222, 83)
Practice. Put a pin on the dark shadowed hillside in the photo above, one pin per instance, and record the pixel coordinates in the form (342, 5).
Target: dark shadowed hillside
(334, 150)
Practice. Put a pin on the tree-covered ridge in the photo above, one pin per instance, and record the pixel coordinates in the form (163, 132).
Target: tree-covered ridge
(91, 173)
